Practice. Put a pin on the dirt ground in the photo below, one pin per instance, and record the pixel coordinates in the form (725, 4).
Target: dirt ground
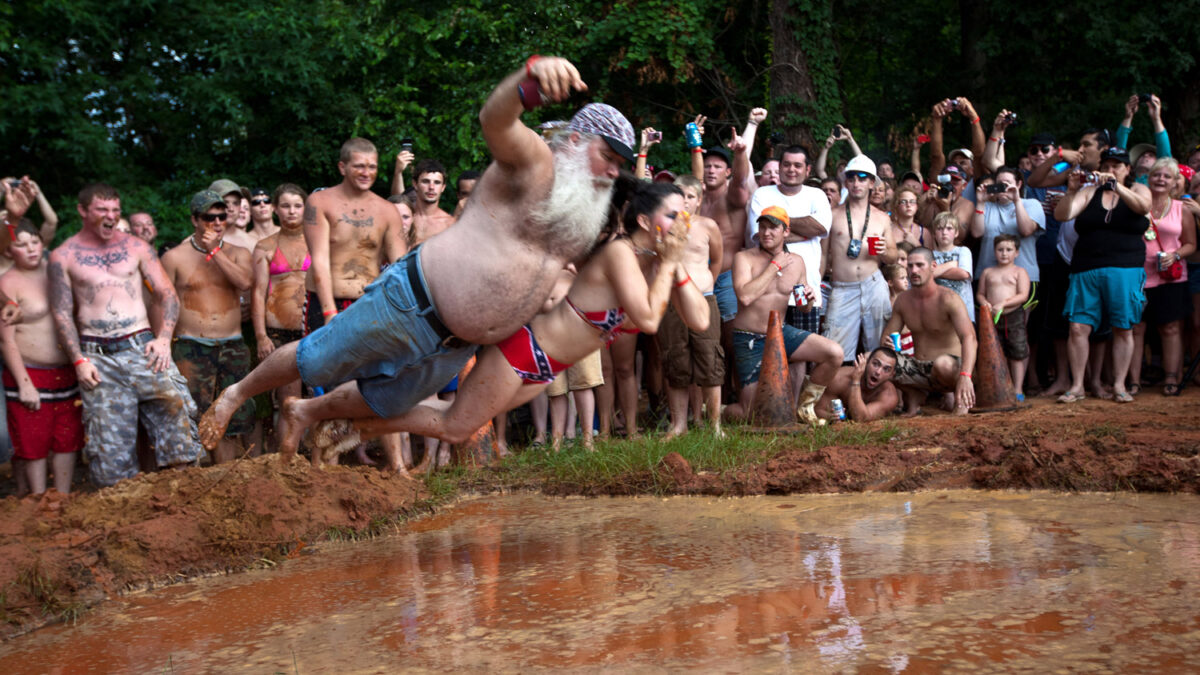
(58, 554)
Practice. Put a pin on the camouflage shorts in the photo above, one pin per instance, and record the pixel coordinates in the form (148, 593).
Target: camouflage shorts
(130, 388)
(211, 365)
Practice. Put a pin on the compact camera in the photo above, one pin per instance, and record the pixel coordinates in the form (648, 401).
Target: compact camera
(1011, 118)
(854, 248)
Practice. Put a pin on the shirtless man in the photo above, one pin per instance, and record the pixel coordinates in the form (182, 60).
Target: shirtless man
(350, 231)
(859, 303)
(209, 274)
(765, 277)
(726, 194)
(141, 224)
(97, 278)
(943, 338)
(865, 388)
(428, 216)
(419, 323)
(695, 357)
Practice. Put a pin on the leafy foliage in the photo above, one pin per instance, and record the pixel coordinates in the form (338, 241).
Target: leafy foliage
(161, 98)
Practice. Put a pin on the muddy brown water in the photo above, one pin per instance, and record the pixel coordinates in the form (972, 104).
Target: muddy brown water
(922, 582)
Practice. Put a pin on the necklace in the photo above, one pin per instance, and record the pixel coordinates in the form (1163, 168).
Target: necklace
(1152, 233)
(192, 241)
(850, 222)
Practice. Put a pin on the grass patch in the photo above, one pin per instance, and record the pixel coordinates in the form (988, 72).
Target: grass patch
(615, 461)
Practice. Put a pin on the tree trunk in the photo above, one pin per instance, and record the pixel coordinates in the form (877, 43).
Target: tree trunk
(805, 91)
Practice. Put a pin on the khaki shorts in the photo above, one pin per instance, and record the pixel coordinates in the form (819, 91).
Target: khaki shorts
(688, 356)
(585, 374)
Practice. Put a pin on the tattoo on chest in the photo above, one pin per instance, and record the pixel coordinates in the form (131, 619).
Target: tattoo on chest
(367, 222)
(107, 259)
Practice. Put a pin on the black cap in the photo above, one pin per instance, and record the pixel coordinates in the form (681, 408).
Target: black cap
(719, 152)
(259, 191)
(1113, 152)
(1043, 138)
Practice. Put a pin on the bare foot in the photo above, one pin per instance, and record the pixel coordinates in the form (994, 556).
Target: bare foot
(291, 427)
(424, 467)
(1057, 389)
(717, 432)
(216, 420)
(912, 412)
(674, 433)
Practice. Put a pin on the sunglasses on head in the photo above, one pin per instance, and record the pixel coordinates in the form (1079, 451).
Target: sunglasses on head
(857, 175)
(260, 201)
(211, 217)
(1043, 149)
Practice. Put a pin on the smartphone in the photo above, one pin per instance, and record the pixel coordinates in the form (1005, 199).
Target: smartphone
(654, 136)
(406, 144)
(997, 188)
(1144, 98)
(837, 132)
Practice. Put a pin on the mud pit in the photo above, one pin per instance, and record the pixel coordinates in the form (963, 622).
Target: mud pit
(59, 555)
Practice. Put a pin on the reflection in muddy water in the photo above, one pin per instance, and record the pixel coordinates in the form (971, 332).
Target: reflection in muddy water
(882, 583)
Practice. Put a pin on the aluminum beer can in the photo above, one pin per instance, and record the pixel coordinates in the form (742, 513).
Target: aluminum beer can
(1161, 256)
(798, 296)
(895, 338)
(838, 409)
(693, 135)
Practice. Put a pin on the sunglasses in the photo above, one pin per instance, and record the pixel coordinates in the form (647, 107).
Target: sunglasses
(1043, 149)
(260, 202)
(211, 217)
(907, 202)
(858, 175)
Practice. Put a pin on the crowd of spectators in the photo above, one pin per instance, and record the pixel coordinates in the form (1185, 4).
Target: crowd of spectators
(115, 343)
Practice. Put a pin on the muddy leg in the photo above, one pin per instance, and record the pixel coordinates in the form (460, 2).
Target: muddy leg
(275, 371)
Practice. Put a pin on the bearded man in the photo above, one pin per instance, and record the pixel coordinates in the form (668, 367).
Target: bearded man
(540, 205)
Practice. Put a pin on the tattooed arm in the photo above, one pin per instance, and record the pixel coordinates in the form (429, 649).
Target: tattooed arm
(165, 299)
(62, 305)
(316, 235)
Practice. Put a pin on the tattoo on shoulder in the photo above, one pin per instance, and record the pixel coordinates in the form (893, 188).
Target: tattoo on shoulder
(367, 222)
(310, 214)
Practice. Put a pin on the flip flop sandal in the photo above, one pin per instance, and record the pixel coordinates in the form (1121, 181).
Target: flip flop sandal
(1135, 388)
(1071, 397)
(1171, 389)
(1123, 397)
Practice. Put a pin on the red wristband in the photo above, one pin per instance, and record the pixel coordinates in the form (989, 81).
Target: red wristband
(14, 302)
(778, 267)
(212, 253)
(975, 121)
(327, 314)
(642, 155)
(697, 149)
(1060, 152)
(993, 139)
(82, 359)
(681, 284)
(529, 64)
(965, 374)
(979, 211)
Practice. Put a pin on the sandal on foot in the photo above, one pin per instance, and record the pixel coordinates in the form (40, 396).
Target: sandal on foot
(1171, 389)
(1071, 397)
(1123, 397)
(1135, 388)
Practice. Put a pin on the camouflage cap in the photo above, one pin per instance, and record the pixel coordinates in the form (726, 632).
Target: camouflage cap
(205, 200)
(225, 186)
(608, 123)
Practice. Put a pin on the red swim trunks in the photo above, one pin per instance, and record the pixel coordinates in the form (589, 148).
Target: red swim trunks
(57, 425)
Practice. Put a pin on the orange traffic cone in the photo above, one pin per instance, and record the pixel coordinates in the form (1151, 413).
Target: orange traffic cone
(772, 404)
(993, 384)
(480, 448)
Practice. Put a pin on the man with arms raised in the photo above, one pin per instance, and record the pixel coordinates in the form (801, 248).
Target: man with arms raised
(765, 277)
(209, 274)
(97, 278)
(943, 337)
(726, 193)
(865, 388)
(859, 241)
(539, 205)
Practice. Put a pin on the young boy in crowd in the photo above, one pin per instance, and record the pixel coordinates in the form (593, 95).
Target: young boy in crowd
(1003, 290)
(897, 281)
(952, 264)
(44, 413)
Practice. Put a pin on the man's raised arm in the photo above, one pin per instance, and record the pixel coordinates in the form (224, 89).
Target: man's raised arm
(541, 79)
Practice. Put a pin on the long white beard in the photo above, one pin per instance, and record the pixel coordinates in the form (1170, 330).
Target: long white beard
(571, 217)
